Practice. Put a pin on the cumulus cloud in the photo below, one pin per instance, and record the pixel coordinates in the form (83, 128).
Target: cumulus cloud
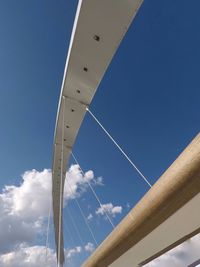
(31, 199)
(89, 247)
(29, 257)
(183, 255)
(109, 209)
(77, 183)
(69, 253)
(24, 208)
(35, 256)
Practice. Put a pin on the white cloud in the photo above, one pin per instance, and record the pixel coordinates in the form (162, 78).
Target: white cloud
(109, 209)
(77, 183)
(31, 199)
(34, 256)
(183, 255)
(24, 208)
(69, 253)
(89, 247)
(99, 181)
(128, 206)
(90, 217)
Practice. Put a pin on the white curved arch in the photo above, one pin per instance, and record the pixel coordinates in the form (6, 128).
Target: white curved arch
(98, 30)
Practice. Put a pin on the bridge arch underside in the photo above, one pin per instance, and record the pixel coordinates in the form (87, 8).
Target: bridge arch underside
(98, 29)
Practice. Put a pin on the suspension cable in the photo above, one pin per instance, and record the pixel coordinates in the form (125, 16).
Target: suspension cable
(94, 193)
(75, 226)
(83, 215)
(69, 233)
(61, 186)
(119, 147)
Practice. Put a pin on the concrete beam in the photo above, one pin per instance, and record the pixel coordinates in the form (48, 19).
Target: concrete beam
(175, 197)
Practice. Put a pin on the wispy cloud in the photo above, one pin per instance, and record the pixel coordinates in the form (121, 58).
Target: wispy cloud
(89, 247)
(90, 217)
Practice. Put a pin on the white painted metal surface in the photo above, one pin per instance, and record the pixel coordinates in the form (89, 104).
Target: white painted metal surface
(98, 30)
(180, 224)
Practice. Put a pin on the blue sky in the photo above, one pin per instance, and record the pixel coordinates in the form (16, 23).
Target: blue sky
(148, 99)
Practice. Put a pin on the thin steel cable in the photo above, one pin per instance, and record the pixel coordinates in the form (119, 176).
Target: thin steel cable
(61, 186)
(69, 233)
(94, 193)
(74, 224)
(119, 147)
(47, 234)
(83, 215)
